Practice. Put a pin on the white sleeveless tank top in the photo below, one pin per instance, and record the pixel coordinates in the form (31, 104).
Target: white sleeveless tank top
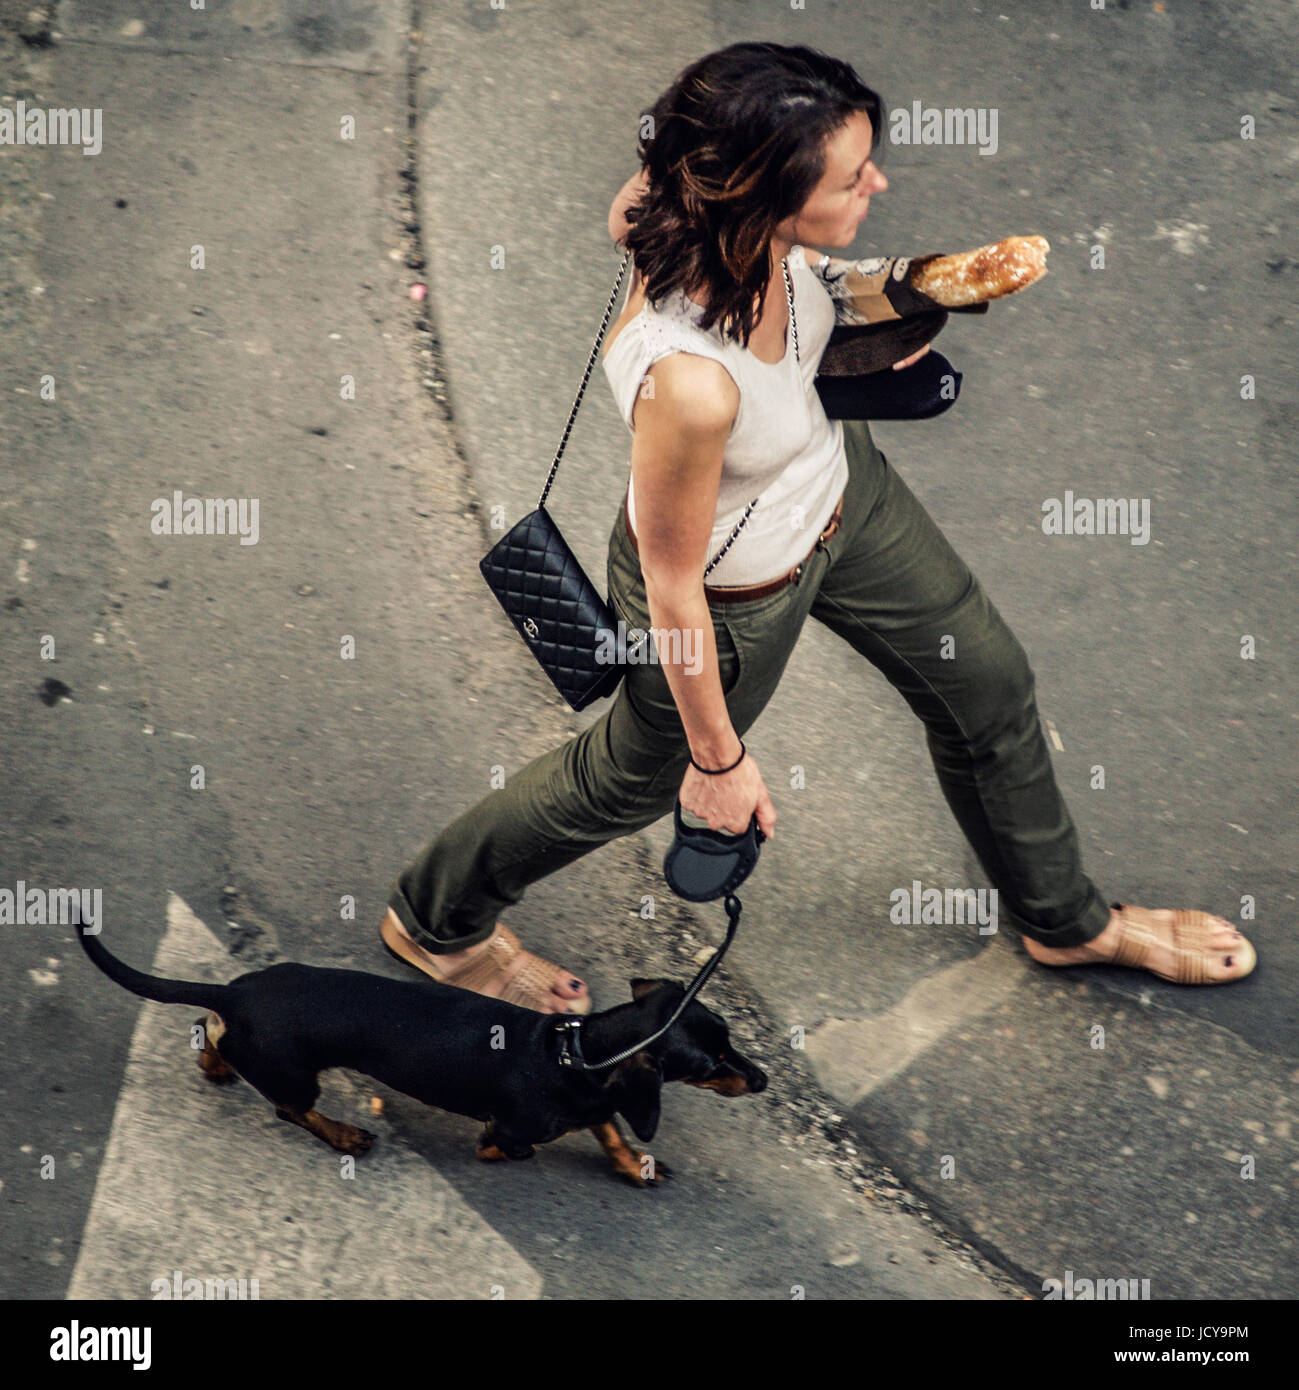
(782, 449)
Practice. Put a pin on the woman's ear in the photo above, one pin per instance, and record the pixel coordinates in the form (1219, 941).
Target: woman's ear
(636, 1085)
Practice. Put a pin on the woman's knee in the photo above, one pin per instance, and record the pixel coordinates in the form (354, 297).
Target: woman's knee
(1015, 679)
(1002, 687)
(987, 681)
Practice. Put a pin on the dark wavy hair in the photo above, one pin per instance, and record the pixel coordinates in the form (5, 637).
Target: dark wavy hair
(733, 147)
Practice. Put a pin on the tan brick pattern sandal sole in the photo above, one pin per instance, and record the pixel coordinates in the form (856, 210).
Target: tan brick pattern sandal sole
(503, 971)
(1192, 932)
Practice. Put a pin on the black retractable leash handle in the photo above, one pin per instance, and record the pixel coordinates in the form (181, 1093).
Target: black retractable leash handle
(700, 865)
(704, 864)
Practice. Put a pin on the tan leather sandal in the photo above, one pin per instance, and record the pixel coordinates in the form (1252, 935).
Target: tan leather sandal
(1191, 935)
(504, 970)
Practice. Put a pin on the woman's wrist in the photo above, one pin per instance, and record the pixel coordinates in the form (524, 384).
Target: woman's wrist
(717, 755)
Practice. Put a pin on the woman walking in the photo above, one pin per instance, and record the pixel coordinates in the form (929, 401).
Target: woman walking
(759, 156)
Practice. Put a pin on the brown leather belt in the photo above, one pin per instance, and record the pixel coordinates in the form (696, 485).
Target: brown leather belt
(743, 593)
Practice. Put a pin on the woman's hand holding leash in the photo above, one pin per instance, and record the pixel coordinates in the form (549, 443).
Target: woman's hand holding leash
(729, 800)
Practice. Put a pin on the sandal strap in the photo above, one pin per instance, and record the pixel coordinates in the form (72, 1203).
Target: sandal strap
(466, 976)
(528, 977)
(1191, 935)
(1192, 931)
(488, 967)
(513, 975)
(528, 981)
(1135, 940)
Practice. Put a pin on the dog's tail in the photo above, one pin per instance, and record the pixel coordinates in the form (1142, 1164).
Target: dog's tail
(146, 986)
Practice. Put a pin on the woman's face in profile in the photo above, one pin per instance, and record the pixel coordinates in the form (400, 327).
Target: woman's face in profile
(839, 203)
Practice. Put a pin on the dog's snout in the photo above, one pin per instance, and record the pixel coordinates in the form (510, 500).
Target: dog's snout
(748, 1077)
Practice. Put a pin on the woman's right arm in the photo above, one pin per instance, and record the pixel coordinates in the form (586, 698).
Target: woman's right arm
(679, 434)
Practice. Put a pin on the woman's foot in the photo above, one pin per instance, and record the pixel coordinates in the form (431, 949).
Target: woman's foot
(1184, 947)
(499, 968)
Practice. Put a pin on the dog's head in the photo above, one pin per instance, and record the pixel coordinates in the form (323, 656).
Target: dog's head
(696, 1049)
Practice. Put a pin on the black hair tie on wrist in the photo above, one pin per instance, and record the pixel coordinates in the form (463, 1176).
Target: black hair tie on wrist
(717, 771)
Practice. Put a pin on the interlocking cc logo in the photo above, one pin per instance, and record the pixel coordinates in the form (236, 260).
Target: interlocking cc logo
(530, 627)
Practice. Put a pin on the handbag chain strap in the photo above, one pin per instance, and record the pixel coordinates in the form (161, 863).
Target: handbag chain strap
(586, 376)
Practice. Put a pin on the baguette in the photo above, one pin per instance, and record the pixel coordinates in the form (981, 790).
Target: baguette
(989, 272)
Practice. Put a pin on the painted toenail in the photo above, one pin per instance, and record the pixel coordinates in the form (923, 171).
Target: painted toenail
(1228, 960)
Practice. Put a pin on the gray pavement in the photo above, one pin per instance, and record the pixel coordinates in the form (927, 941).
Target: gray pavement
(322, 776)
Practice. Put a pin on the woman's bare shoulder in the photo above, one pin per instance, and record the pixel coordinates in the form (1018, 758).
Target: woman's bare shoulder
(690, 392)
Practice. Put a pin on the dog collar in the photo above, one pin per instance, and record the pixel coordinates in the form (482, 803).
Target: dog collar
(570, 1043)
(569, 1029)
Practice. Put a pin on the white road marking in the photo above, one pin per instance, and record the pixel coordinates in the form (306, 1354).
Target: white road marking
(854, 1056)
(204, 1179)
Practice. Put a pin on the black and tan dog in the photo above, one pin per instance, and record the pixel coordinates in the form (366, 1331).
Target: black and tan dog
(279, 1027)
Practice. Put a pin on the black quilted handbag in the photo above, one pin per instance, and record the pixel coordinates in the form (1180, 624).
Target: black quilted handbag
(548, 596)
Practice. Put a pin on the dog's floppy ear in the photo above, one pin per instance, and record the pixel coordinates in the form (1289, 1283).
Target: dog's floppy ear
(636, 1084)
(640, 988)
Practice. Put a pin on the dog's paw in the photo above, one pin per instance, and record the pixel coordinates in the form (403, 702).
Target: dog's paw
(217, 1070)
(655, 1170)
(221, 1078)
(354, 1140)
(642, 1170)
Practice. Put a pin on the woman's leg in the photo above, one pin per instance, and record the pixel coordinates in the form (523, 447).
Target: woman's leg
(899, 593)
(619, 775)
(904, 599)
(611, 779)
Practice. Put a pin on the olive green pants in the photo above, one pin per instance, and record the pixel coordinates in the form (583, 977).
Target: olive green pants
(887, 582)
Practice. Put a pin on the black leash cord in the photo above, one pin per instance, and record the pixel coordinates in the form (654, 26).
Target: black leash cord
(570, 1028)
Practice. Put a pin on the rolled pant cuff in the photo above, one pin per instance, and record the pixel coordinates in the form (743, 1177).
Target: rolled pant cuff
(435, 946)
(1089, 924)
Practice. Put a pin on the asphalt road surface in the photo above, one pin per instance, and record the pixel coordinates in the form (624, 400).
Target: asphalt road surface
(241, 744)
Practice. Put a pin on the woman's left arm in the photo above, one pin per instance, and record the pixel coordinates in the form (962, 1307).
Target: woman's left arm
(833, 267)
(631, 192)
